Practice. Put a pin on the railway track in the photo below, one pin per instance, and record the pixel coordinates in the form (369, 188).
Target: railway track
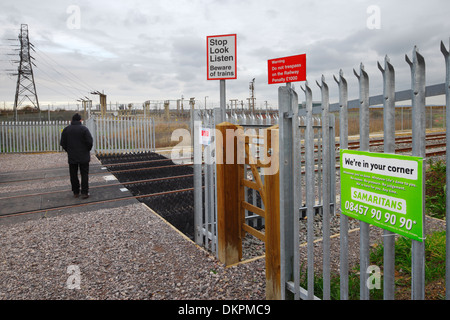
(167, 185)
(93, 202)
(142, 177)
(405, 139)
(408, 149)
(102, 173)
(399, 140)
(377, 144)
(99, 186)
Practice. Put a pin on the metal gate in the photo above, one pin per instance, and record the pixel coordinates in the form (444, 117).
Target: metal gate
(122, 134)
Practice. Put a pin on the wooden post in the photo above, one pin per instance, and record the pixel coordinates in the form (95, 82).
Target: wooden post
(272, 221)
(166, 110)
(103, 104)
(228, 184)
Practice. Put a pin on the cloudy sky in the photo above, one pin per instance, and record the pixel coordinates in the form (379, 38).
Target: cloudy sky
(156, 50)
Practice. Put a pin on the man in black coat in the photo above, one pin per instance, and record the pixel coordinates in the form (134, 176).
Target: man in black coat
(76, 140)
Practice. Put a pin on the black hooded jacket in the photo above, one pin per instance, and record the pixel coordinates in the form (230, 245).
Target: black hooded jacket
(76, 140)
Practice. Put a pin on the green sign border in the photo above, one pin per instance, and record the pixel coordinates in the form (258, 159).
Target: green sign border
(380, 199)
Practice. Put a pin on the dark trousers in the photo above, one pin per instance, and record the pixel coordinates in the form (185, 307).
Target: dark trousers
(84, 171)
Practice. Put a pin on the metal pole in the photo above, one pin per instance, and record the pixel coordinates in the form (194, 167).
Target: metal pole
(197, 180)
(208, 199)
(418, 150)
(223, 101)
(364, 146)
(215, 115)
(297, 196)
(309, 172)
(325, 187)
(343, 143)
(447, 100)
(389, 147)
(287, 97)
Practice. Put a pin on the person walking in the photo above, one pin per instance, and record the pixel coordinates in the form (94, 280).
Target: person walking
(76, 140)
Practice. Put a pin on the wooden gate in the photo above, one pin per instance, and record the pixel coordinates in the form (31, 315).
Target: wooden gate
(248, 161)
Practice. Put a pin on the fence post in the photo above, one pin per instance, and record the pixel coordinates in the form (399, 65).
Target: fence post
(288, 110)
(153, 137)
(90, 124)
(343, 144)
(310, 199)
(447, 123)
(325, 187)
(198, 192)
(418, 150)
(2, 137)
(228, 207)
(364, 146)
(389, 147)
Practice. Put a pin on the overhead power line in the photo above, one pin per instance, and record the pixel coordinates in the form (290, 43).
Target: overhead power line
(67, 74)
(68, 85)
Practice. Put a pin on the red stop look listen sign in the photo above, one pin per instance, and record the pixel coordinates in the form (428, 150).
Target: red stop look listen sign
(287, 69)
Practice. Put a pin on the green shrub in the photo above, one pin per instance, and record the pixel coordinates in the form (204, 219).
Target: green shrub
(435, 196)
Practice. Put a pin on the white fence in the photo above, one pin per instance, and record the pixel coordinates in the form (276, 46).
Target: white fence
(111, 135)
(122, 134)
(31, 136)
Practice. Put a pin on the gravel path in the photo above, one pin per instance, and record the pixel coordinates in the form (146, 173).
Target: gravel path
(121, 253)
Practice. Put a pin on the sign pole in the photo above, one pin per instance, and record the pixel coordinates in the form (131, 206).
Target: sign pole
(223, 101)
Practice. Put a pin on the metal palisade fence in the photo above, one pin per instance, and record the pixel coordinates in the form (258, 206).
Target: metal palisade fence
(291, 263)
(110, 135)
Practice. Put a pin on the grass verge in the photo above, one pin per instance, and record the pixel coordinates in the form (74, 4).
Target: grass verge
(434, 271)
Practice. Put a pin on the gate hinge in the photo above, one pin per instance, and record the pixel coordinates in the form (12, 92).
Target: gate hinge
(288, 115)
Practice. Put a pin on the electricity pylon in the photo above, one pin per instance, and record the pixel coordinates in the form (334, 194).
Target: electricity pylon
(26, 88)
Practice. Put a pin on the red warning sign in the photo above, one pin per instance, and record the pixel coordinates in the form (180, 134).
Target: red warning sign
(287, 69)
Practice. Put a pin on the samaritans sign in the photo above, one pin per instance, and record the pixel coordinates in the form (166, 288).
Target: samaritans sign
(384, 190)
